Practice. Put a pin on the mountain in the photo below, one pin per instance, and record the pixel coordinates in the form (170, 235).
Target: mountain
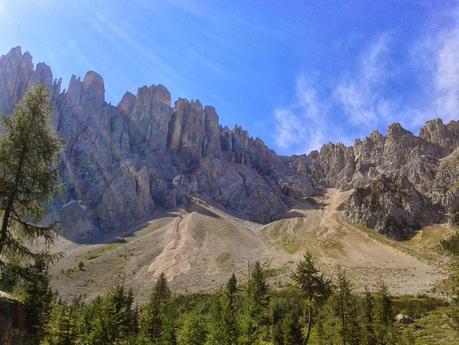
(123, 164)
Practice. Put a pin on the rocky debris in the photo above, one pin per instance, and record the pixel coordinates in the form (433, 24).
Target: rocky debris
(121, 163)
(403, 319)
(12, 320)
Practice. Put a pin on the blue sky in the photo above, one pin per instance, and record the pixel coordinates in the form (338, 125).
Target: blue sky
(295, 73)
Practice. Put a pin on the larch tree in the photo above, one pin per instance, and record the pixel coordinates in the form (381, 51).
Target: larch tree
(29, 150)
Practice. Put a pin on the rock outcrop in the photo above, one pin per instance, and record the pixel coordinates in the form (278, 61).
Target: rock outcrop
(122, 163)
(12, 320)
(393, 206)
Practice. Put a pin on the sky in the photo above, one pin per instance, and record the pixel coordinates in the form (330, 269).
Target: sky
(297, 74)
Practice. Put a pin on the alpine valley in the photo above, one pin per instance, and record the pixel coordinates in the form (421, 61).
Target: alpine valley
(153, 186)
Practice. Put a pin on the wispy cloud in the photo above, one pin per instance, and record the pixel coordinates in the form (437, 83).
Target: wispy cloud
(359, 94)
(310, 120)
(446, 72)
(299, 125)
(360, 101)
(3, 10)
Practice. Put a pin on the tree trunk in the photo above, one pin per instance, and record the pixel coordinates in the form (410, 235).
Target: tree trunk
(12, 197)
(343, 320)
(309, 326)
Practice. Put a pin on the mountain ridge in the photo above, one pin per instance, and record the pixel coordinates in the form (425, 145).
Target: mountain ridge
(123, 162)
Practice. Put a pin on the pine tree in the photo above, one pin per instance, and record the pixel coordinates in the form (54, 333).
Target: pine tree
(38, 301)
(314, 287)
(345, 305)
(28, 157)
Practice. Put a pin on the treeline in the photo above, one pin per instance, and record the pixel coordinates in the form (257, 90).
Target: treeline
(315, 310)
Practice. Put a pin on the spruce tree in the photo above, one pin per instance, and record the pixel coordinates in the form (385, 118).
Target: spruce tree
(231, 307)
(231, 286)
(314, 287)
(153, 322)
(255, 306)
(28, 176)
(125, 315)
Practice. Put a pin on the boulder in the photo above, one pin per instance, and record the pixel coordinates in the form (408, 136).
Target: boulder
(12, 320)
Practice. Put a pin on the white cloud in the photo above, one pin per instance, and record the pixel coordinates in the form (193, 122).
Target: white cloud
(308, 122)
(2, 9)
(358, 94)
(302, 125)
(446, 72)
(360, 103)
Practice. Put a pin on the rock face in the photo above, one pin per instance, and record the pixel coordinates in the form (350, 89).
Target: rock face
(400, 181)
(12, 320)
(392, 205)
(121, 163)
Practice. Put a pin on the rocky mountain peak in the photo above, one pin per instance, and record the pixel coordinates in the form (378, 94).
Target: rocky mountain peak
(17, 69)
(396, 131)
(122, 163)
(42, 74)
(127, 103)
(445, 135)
(93, 89)
(154, 93)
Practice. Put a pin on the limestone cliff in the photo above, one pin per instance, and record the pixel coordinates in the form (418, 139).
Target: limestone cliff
(121, 163)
